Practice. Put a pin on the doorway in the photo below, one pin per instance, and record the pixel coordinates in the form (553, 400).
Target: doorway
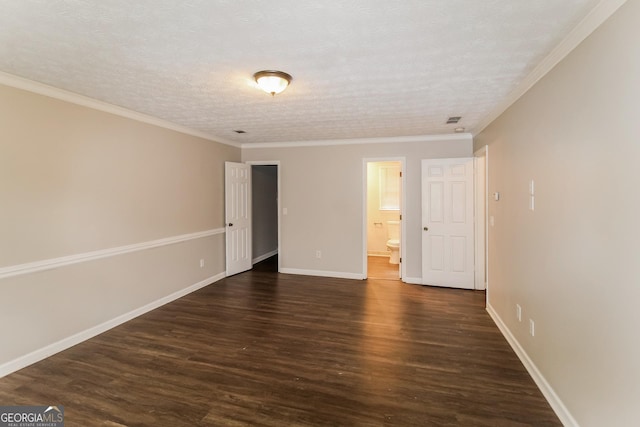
(265, 218)
(481, 159)
(383, 218)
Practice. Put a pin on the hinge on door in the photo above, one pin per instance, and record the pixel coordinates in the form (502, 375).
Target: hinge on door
(400, 217)
(400, 260)
(400, 174)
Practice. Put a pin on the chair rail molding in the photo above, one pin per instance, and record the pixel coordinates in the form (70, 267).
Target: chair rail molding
(51, 263)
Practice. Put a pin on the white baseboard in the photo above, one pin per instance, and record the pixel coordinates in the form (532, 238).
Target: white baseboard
(378, 253)
(42, 353)
(559, 408)
(265, 256)
(322, 273)
(413, 280)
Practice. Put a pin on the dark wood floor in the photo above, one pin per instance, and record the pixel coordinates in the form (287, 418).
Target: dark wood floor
(263, 349)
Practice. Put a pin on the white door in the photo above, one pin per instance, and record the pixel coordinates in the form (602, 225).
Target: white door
(447, 223)
(237, 192)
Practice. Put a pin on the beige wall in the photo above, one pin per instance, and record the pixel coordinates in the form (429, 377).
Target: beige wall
(322, 189)
(572, 264)
(75, 180)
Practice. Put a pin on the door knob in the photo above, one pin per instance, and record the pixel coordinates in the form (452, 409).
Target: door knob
(230, 224)
(426, 229)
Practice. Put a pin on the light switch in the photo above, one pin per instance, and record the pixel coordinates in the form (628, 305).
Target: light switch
(496, 196)
(284, 211)
(532, 197)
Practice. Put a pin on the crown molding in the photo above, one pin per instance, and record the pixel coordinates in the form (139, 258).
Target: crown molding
(588, 25)
(355, 141)
(74, 98)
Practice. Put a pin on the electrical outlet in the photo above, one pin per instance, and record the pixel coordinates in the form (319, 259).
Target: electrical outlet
(318, 254)
(532, 328)
(201, 263)
(519, 312)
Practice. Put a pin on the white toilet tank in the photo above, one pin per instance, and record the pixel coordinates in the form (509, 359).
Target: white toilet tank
(393, 230)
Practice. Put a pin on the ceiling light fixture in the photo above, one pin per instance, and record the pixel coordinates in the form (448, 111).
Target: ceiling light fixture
(459, 130)
(272, 81)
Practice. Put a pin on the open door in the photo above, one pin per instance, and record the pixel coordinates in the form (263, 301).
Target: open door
(237, 194)
(447, 222)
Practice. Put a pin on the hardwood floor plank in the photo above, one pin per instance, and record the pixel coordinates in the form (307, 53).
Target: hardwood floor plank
(264, 349)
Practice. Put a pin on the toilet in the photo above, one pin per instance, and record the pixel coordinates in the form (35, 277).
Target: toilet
(393, 244)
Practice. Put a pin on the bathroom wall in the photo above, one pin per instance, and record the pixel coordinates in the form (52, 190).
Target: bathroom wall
(377, 228)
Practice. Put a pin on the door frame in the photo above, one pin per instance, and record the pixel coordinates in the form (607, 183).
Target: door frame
(403, 201)
(279, 195)
(482, 220)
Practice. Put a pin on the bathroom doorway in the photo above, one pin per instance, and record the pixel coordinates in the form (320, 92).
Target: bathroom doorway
(383, 218)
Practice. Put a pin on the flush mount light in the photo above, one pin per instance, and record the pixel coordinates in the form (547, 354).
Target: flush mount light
(272, 81)
(459, 130)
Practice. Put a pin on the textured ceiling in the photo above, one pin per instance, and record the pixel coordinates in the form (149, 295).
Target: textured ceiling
(361, 68)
